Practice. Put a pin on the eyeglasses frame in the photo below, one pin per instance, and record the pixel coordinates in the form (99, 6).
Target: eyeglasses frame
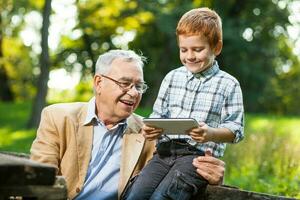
(145, 86)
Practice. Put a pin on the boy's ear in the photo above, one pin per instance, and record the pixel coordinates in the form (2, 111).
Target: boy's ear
(218, 48)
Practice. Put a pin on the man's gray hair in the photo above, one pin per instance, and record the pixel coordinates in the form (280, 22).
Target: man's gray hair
(104, 61)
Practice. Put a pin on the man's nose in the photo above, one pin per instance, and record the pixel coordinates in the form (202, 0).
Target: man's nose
(133, 91)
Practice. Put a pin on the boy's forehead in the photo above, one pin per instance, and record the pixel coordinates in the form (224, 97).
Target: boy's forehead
(193, 39)
(192, 35)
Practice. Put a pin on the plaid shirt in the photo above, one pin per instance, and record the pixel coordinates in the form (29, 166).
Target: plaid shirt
(212, 96)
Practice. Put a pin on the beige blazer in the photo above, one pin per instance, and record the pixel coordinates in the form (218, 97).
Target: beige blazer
(64, 142)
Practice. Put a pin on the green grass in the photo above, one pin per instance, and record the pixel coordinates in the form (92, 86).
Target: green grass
(143, 111)
(267, 160)
(13, 134)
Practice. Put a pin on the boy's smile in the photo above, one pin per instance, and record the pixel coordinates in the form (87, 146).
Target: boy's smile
(195, 52)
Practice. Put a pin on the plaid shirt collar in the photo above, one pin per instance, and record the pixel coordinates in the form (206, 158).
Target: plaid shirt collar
(206, 74)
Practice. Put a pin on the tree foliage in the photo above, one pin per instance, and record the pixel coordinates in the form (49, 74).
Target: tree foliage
(17, 61)
(255, 48)
(101, 24)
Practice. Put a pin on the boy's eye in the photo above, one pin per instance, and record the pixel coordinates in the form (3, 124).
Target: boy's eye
(198, 49)
(183, 50)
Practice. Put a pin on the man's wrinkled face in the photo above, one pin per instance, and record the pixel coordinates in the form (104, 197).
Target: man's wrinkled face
(113, 103)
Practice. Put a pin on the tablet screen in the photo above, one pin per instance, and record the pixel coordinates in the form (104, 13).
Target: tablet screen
(172, 125)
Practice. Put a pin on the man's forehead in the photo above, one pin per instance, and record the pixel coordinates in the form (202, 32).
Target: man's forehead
(126, 70)
(131, 79)
(119, 62)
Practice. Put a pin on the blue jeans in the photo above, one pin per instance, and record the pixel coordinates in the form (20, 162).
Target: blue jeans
(168, 175)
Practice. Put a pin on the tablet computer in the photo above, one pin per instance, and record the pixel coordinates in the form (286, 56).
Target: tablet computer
(172, 125)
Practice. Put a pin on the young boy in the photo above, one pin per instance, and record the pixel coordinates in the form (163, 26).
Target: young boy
(198, 90)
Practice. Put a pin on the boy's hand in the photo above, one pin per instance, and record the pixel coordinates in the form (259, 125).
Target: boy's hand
(202, 134)
(151, 133)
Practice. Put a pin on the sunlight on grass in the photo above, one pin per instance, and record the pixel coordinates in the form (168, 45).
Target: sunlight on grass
(269, 156)
(19, 141)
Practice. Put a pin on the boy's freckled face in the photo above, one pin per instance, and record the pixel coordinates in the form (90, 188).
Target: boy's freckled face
(195, 53)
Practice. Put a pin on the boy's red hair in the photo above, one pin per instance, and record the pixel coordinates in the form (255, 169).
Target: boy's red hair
(201, 21)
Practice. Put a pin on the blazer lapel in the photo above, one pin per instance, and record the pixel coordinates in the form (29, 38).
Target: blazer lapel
(131, 150)
(84, 142)
(132, 146)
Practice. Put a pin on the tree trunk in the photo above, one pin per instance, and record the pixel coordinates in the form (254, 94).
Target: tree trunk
(5, 90)
(42, 87)
(88, 43)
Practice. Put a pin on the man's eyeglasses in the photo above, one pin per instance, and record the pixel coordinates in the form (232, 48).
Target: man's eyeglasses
(126, 86)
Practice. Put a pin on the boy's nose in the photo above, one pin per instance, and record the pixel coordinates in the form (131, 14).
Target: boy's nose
(190, 55)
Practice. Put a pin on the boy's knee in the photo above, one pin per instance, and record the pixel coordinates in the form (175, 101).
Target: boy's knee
(185, 186)
(181, 183)
(180, 186)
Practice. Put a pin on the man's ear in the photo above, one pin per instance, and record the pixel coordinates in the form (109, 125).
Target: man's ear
(97, 85)
(218, 48)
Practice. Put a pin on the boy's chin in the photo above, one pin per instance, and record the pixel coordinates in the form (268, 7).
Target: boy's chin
(194, 70)
(197, 69)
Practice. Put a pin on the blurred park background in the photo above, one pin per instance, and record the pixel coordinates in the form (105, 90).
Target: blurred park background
(48, 50)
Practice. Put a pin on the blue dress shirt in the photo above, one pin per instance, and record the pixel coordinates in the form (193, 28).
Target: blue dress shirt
(101, 181)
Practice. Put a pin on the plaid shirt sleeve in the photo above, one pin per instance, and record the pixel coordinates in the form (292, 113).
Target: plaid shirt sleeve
(232, 114)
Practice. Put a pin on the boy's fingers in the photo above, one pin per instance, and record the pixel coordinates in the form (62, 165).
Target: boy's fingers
(201, 124)
(208, 152)
(152, 135)
(148, 128)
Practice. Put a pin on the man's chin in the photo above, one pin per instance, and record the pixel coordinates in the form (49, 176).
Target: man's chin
(125, 114)
(125, 110)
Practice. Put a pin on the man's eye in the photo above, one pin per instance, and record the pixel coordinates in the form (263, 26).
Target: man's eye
(125, 84)
(139, 86)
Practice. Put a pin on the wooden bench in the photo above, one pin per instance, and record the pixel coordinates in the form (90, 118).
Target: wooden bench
(233, 193)
(21, 178)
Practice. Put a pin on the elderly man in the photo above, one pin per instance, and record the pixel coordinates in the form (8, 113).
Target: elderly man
(97, 146)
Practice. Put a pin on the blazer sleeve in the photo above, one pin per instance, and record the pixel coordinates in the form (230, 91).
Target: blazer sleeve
(45, 147)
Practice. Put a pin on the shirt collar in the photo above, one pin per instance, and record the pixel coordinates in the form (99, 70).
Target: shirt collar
(206, 74)
(91, 112)
(91, 116)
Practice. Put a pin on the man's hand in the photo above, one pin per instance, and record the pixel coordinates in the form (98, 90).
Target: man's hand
(210, 168)
(151, 133)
